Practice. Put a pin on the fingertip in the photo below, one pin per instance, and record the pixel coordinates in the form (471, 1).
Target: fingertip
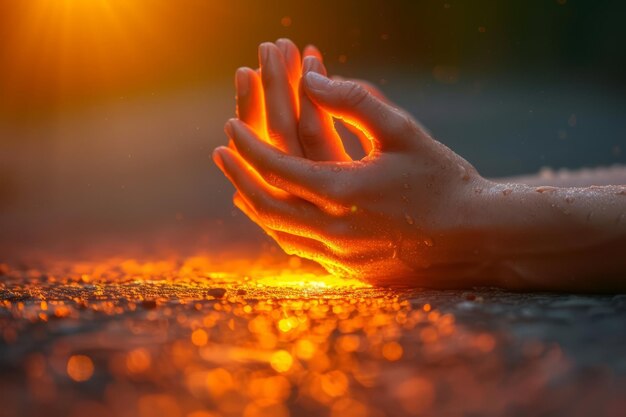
(284, 44)
(311, 50)
(312, 63)
(285, 40)
(238, 200)
(307, 65)
(264, 50)
(315, 81)
(228, 127)
(217, 157)
(242, 81)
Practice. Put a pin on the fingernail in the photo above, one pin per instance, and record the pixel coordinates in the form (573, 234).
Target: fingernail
(228, 128)
(307, 64)
(264, 52)
(282, 46)
(242, 82)
(217, 158)
(317, 81)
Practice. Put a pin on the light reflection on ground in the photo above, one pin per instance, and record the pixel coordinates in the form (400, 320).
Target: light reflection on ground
(197, 338)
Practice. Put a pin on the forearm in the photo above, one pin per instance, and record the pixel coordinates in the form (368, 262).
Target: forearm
(571, 239)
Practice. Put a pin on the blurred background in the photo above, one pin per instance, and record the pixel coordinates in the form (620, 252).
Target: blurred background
(109, 109)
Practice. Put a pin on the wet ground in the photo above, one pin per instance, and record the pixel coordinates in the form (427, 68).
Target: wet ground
(187, 338)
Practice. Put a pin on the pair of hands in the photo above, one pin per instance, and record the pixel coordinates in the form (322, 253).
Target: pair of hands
(400, 213)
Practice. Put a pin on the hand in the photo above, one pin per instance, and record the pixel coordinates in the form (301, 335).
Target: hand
(404, 210)
(271, 101)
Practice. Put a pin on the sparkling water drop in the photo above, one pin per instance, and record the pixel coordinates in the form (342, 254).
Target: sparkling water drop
(507, 191)
(315, 168)
(429, 242)
(409, 219)
(464, 175)
(336, 169)
(545, 189)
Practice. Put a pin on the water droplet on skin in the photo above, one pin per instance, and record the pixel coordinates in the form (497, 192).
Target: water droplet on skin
(478, 190)
(590, 216)
(545, 189)
(315, 168)
(336, 169)
(353, 209)
(622, 192)
(409, 219)
(429, 242)
(406, 186)
(569, 200)
(405, 199)
(464, 175)
(507, 191)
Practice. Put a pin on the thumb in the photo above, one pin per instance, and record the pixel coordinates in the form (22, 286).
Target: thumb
(389, 128)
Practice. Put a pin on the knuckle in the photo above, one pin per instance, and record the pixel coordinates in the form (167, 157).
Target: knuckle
(274, 133)
(310, 132)
(354, 94)
(401, 124)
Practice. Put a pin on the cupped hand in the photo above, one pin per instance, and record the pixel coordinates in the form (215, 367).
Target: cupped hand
(405, 211)
(272, 103)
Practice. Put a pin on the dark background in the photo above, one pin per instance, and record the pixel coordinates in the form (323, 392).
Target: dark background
(109, 109)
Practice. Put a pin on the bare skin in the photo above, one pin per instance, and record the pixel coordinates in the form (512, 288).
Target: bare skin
(412, 212)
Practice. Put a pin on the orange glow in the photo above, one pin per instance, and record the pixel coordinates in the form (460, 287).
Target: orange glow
(199, 337)
(138, 360)
(80, 368)
(245, 335)
(392, 351)
(281, 361)
(60, 53)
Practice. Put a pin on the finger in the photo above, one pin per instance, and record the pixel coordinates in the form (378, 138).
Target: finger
(316, 182)
(276, 209)
(311, 50)
(242, 205)
(367, 85)
(343, 265)
(388, 127)
(280, 104)
(294, 245)
(364, 139)
(311, 249)
(291, 56)
(250, 102)
(318, 137)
